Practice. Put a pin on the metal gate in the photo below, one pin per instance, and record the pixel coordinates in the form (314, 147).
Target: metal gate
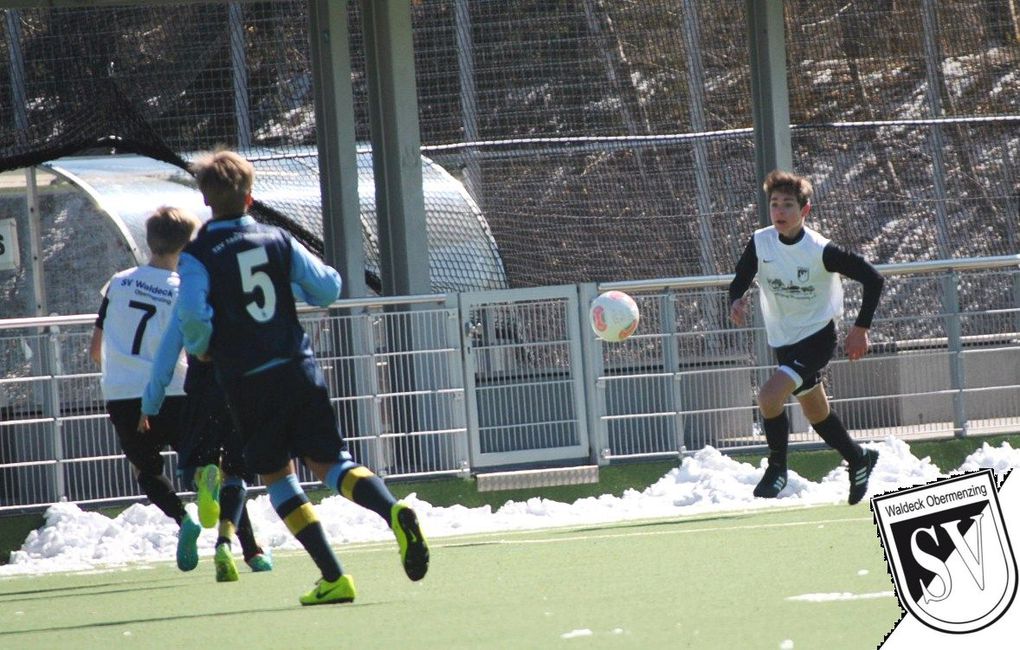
(523, 377)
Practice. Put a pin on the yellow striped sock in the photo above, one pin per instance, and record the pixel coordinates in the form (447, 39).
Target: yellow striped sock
(351, 478)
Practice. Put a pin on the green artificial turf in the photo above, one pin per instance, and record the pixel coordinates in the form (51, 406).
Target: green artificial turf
(738, 580)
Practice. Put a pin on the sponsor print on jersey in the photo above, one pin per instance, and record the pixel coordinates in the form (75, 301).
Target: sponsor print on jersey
(791, 290)
(165, 294)
(948, 551)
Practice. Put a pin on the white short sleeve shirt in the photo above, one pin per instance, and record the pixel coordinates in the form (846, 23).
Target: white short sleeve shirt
(140, 304)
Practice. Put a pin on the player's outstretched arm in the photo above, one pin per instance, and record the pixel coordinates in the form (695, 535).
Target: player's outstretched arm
(194, 315)
(738, 311)
(856, 342)
(319, 282)
(162, 371)
(96, 346)
(742, 278)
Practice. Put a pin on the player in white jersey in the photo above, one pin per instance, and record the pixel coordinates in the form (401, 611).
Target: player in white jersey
(801, 299)
(137, 308)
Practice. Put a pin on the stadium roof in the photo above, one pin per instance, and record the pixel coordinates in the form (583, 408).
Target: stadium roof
(128, 187)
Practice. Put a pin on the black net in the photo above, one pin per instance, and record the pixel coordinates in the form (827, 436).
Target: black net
(602, 140)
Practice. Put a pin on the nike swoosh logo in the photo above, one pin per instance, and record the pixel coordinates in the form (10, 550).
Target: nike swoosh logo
(320, 592)
(766, 261)
(798, 363)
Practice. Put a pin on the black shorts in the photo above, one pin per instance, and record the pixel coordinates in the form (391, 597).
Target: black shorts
(283, 413)
(806, 358)
(143, 449)
(209, 435)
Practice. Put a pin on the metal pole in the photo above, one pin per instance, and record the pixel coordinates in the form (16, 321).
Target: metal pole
(468, 98)
(951, 309)
(396, 147)
(703, 194)
(770, 98)
(54, 411)
(16, 66)
(239, 66)
(335, 130)
(929, 18)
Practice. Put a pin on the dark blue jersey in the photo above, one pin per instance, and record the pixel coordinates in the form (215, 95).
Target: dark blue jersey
(254, 319)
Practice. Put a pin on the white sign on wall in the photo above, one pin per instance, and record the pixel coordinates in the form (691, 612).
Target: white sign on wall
(9, 258)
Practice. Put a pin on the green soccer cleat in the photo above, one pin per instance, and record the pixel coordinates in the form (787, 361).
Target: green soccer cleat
(414, 549)
(261, 562)
(187, 544)
(226, 570)
(340, 590)
(208, 480)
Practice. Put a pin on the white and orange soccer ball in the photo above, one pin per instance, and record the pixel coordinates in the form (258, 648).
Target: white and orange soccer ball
(614, 316)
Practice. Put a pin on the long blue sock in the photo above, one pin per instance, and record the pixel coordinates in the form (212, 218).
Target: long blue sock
(360, 485)
(291, 503)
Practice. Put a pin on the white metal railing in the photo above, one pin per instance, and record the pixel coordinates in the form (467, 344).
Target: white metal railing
(462, 383)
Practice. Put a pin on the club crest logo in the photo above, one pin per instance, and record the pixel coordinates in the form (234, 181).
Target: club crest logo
(948, 551)
(803, 274)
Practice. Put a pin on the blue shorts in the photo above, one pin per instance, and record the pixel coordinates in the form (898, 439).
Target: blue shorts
(284, 412)
(804, 360)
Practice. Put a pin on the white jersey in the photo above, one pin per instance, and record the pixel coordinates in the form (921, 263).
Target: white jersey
(139, 309)
(798, 295)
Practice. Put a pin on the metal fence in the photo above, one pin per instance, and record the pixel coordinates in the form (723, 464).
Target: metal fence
(469, 383)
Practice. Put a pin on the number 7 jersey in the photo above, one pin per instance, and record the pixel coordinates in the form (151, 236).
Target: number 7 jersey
(138, 307)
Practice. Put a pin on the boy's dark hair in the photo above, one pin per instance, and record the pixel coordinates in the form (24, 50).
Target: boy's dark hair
(169, 229)
(788, 183)
(225, 179)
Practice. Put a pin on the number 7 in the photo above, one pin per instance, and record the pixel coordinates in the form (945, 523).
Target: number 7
(148, 312)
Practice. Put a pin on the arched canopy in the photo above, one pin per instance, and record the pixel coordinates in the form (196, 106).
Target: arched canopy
(127, 188)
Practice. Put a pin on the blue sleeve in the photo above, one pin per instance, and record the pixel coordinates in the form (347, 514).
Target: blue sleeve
(194, 315)
(299, 293)
(320, 283)
(162, 372)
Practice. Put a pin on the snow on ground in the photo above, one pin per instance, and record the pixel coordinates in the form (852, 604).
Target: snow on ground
(708, 481)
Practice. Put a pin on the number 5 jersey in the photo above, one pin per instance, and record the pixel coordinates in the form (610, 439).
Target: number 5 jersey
(237, 303)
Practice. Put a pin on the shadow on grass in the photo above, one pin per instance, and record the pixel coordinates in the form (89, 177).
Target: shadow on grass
(75, 592)
(660, 522)
(164, 618)
(574, 530)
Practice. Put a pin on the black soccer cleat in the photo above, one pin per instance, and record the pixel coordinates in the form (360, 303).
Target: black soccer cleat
(860, 471)
(772, 483)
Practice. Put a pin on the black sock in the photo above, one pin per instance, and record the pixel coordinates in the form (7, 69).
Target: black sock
(232, 501)
(246, 535)
(777, 434)
(835, 435)
(161, 493)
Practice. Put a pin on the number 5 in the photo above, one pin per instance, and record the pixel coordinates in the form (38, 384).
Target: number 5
(252, 281)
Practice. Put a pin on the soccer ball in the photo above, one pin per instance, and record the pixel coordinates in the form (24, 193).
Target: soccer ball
(613, 316)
